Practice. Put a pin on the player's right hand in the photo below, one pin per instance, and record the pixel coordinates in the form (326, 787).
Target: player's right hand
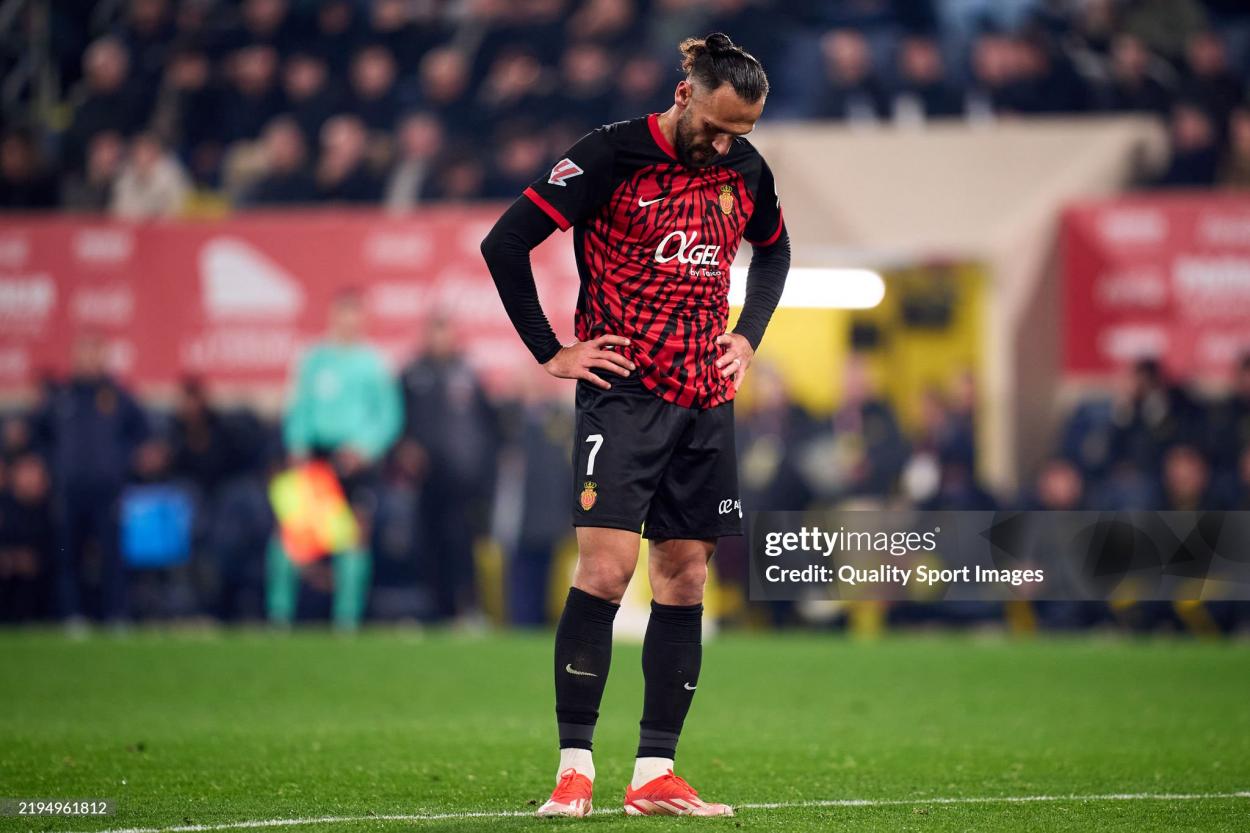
(579, 360)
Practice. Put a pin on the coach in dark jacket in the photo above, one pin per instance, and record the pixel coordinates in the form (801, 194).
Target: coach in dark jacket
(90, 429)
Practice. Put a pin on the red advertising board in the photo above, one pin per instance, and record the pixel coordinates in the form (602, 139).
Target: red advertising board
(235, 300)
(1157, 276)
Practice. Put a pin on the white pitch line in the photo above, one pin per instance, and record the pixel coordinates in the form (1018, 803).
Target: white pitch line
(777, 805)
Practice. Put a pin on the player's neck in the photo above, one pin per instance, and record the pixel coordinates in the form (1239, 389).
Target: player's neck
(668, 125)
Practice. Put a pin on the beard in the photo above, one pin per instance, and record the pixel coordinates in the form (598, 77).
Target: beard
(690, 152)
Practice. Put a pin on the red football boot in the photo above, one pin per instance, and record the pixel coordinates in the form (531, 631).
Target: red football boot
(670, 795)
(571, 797)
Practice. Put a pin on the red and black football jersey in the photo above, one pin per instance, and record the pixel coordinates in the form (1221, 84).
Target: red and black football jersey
(654, 241)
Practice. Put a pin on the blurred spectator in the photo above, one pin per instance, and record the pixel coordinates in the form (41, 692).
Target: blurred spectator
(110, 100)
(1195, 149)
(26, 541)
(516, 86)
(420, 144)
(641, 88)
(941, 472)
(540, 24)
(337, 33)
(769, 436)
(263, 23)
(1046, 81)
(1165, 26)
(850, 90)
(1230, 430)
(1151, 415)
(443, 85)
(1095, 24)
(92, 430)
(286, 179)
(372, 97)
(1186, 480)
(310, 97)
(25, 182)
(520, 156)
(584, 92)
(1241, 487)
(528, 523)
(605, 21)
(1136, 83)
(342, 173)
(1235, 170)
(1208, 81)
(460, 177)
(345, 408)
(193, 20)
(189, 112)
(858, 452)
(960, 490)
(147, 33)
(202, 450)
(993, 73)
(252, 97)
(1059, 487)
(16, 440)
(152, 183)
(392, 26)
(92, 190)
(924, 91)
(452, 427)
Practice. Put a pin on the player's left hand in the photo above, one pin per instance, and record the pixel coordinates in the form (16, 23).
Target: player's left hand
(736, 358)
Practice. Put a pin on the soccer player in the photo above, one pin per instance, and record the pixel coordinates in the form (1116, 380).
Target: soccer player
(659, 206)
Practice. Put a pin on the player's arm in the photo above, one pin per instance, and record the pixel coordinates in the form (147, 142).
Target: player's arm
(766, 279)
(556, 200)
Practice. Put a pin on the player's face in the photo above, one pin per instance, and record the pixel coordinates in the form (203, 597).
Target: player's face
(710, 121)
(347, 319)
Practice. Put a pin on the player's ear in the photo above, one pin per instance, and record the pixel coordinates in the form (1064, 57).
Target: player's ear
(683, 93)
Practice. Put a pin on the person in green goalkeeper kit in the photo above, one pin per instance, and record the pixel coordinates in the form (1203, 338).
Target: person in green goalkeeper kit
(345, 407)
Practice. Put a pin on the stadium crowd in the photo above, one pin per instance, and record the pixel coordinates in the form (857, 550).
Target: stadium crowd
(403, 102)
(445, 467)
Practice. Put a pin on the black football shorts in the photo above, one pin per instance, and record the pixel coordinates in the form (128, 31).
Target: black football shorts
(646, 465)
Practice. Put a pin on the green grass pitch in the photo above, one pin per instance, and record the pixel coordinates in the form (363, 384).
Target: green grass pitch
(184, 729)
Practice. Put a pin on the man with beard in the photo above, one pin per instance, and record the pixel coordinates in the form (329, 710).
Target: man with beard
(659, 206)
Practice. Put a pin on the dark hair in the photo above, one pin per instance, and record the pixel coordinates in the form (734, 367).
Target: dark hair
(715, 60)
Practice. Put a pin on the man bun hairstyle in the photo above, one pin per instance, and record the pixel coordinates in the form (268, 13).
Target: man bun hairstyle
(715, 60)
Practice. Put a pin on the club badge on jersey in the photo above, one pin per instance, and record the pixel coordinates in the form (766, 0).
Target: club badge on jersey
(588, 496)
(726, 200)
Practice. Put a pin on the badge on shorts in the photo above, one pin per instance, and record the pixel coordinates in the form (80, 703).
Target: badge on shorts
(588, 496)
(726, 200)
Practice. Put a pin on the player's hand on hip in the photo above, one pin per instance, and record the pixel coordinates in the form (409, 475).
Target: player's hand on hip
(580, 360)
(736, 357)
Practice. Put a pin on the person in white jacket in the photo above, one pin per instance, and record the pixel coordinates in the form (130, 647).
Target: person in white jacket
(151, 184)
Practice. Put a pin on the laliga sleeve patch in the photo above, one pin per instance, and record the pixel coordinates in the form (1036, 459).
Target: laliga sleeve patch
(564, 170)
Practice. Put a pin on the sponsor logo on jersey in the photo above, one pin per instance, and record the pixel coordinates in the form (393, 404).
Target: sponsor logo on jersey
(588, 496)
(729, 505)
(726, 200)
(685, 249)
(564, 170)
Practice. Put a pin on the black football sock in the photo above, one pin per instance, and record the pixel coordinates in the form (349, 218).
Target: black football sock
(672, 653)
(583, 654)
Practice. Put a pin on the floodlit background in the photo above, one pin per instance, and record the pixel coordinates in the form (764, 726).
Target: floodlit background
(1022, 281)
